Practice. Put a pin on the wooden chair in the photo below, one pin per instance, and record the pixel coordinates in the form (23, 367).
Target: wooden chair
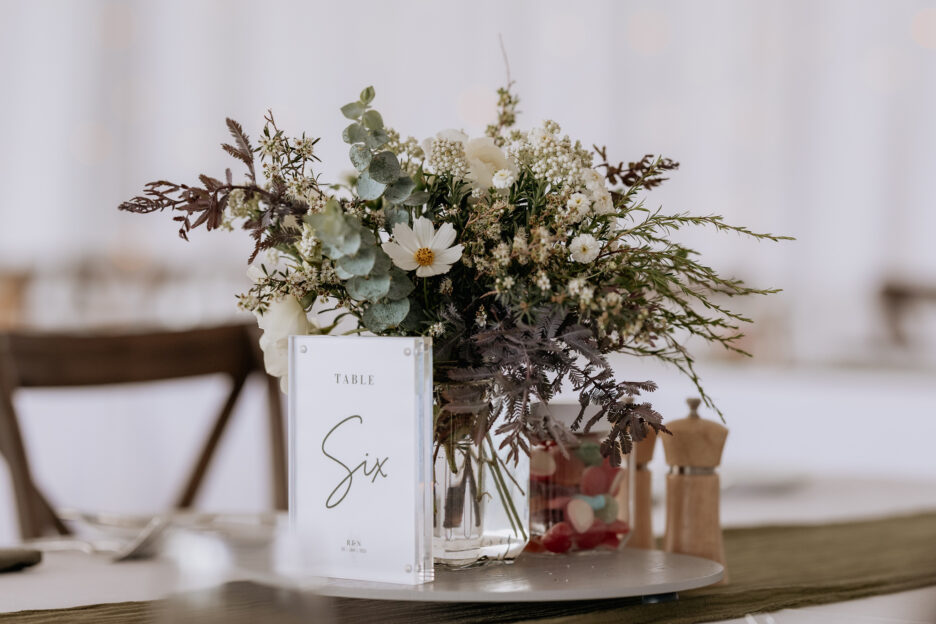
(33, 360)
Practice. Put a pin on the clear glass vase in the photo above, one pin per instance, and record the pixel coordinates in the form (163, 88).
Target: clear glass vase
(481, 510)
(578, 501)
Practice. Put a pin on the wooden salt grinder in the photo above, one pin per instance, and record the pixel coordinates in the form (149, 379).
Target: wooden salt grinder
(642, 536)
(693, 452)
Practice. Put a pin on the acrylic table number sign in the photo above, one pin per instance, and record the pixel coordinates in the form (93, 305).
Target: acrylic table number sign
(360, 445)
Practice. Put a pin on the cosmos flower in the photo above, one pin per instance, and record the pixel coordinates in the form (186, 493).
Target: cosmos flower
(422, 248)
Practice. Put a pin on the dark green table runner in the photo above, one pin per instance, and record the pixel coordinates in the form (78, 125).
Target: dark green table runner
(770, 568)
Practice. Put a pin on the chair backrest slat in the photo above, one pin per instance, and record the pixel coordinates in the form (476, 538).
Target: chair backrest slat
(61, 360)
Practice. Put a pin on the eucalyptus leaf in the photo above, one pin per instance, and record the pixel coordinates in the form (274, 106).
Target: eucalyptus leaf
(368, 288)
(355, 133)
(416, 199)
(400, 190)
(400, 285)
(346, 245)
(353, 110)
(375, 138)
(340, 235)
(341, 273)
(382, 316)
(415, 322)
(360, 156)
(382, 262)
(368, 241)
(369, 188)
(395, 215)
(372, 120)
(384, 168)
(329, 225)
(367, 95)
(360, 263)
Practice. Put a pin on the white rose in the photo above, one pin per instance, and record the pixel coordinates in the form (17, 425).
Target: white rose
(284, 317)
(484, 159)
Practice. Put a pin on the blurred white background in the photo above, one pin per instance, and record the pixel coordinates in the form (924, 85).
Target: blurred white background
(808, 118)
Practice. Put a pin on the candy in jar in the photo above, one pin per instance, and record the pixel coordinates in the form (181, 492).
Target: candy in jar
(578, 500)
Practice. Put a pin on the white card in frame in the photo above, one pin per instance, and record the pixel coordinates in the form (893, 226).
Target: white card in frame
(360, 448)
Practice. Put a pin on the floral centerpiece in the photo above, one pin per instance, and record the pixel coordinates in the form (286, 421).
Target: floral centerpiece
(526, 256)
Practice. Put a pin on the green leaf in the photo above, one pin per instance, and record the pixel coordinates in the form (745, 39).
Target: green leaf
(360, 263)
(329, 225)
(368, 288)
(382, 262)
(384, 168)
(345, 246)
(399, 190)
(394, 216)
(400, 285)
(360, 156)
(376, 138)
(383, 316)
(332, 228)
(372, 120)
(367, 95)
(368, 188)
(353, 110)
(355, 133)
(342, 274)
(416, 199)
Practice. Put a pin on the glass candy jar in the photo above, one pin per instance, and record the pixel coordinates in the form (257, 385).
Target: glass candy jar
(578, 501)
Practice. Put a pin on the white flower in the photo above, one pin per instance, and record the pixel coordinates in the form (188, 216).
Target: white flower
(501, 253)
(504, 284)
(603, 202)
(284, 317)
(593, 180)
(537, 136)
(503, 179)
(542, 281)
(586, 295)
(422, 248)
(484, 158)
(445, 153)
(578, 205)
(584, 248)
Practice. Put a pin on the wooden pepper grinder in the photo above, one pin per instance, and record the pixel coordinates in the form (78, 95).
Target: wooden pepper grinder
(642, 535)
(693, 452)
